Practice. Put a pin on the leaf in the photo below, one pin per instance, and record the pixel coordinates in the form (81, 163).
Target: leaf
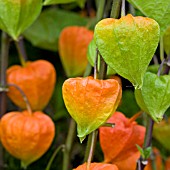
(166, 40)
(145, 153)
(128, 45)
(81, 3)
(91, 55)
(52, 2)
(159, 10)
(45, 32)
(154, 96)
(15, 15)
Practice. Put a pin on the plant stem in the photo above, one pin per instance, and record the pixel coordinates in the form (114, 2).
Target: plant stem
(96, 65)
(5, 41)
(103, 68)
(115, 11)
(100, 10)
(147, 142)
(132, 9)
(92, 143)
(123, 11)
(68, 145)
(53, 156)
(23, 96)
(21, 52)
(161, 49)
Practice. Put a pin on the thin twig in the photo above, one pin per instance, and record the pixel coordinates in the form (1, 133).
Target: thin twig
(23, 96)
(115, 11)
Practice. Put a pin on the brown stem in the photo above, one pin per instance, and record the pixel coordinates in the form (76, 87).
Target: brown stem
(23, 96)
(5, 41)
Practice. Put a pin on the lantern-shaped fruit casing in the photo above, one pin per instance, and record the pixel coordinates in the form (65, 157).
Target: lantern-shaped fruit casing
(26, 136)
(97, 166)
(119, 143)
(91, 102)
(73, 45)
(37, 80)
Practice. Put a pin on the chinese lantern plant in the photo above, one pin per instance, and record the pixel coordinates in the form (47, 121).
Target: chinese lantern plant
(127, 45)
(90, 102)
(97, 166)
(26, 135)
(119, 143)
(36, 79)
(73, 45)
(15, 15)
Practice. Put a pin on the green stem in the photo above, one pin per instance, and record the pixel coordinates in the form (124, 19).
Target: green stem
(96, 65)
(93, 137)
(68, 145)
(132, 9)
(5, 41)
(147, 142)
(100, 10)
(53, 156)
(161, 49)
(103, 68)
(123, 11)
(21, 52)
(115, 11)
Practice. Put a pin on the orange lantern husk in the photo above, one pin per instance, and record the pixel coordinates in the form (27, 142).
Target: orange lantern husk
(157, 160)
(73, 45)
(90, 102)
(97, 166)
(37, 80)
(119, 143)
(26, 136)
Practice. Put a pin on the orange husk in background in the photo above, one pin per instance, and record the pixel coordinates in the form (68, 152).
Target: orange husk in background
(158, 161)
(119, 143)
(161, 133)
(73, 45)
(97, 166)
(90, 102)
(167, 164)
(26, 136)
(37, 80)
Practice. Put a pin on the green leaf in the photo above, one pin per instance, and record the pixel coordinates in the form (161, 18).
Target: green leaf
(91, 55)
(45, 32)
(153, 68)
(50, 2)
(140, 150)
(81, 3)
(145, 153)
(166, 40)
(128, 45)
(154, 96)
(15, 15)
(159, 10)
